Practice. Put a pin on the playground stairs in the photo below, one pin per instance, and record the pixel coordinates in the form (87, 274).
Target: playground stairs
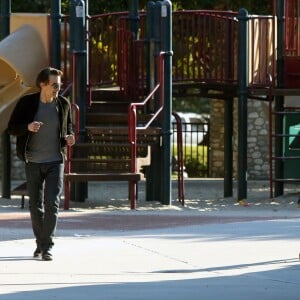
(105, 154)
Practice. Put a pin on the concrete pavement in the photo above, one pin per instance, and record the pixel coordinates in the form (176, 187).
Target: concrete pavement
(247, 260)
(231, 252)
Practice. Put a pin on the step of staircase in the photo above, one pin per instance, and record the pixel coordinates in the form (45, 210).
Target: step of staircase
(103, 176)
(109, 107)
(95, 118)
(119, 134)
(106, 153)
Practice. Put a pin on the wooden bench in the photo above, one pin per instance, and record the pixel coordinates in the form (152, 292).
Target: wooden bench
(21, 190)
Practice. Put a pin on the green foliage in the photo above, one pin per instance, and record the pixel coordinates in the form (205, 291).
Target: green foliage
(195, 160)
(195, 168)
(37, 6)
(253, 6)
(103, 6)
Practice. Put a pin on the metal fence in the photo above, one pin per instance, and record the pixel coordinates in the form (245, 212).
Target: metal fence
(195, 140)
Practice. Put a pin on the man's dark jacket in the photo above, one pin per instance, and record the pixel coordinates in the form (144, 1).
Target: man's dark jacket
(24, 114)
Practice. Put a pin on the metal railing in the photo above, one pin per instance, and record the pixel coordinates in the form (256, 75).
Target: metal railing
(133, 107)
(67, 186)
(195, 148)
(103, 48)
(180, 164)
(75, 110)
(292, 28)
(132, 126)
(66, 58)
(205, 47)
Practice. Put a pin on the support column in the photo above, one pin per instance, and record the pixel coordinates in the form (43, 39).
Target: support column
(134, 16)
(166, 43)
(228, 147)
(78, 50)
(242, 104)
(228, 123)
(279, 100)
(153, 179)
(55, 54)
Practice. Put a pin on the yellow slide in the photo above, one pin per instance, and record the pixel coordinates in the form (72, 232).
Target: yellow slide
(22, 56)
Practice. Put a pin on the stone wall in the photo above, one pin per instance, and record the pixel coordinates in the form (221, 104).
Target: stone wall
(257, 148)
(258, 140)
(216, 139)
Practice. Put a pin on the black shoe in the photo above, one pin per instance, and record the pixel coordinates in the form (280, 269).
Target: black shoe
(37, 252)
(47, 255)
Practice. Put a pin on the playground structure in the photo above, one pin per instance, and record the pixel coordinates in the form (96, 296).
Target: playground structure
(16, 78)
(222, 55)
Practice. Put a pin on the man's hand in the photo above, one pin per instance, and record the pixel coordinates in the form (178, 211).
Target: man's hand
(70, 139)
(34, 126)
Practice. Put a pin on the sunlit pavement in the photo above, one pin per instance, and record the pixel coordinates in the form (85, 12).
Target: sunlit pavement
(245, 260)
(165, 254)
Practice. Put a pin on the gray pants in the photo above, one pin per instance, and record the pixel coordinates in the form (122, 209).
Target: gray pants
(44, 184)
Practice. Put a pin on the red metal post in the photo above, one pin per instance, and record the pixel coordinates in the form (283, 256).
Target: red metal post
(133, 125)
(180, 169)
(75, 108)
(133, 165)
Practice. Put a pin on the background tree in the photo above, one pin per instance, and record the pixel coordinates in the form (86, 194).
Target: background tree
(101, 6)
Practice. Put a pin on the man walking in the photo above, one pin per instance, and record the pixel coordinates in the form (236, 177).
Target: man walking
(43, 127)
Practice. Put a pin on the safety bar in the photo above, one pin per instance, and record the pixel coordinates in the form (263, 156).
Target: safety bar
(132, 112)
(180, 178)
(74, 108)
(133, 122)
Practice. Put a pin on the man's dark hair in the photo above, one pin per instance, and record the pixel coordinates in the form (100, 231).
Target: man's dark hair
(44, 75)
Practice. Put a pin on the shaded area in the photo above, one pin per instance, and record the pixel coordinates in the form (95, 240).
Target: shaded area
(100, 221)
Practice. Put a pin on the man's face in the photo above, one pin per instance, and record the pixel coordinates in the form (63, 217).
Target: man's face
(53, 86)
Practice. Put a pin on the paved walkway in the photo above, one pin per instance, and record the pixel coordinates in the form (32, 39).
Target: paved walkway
(212, 248)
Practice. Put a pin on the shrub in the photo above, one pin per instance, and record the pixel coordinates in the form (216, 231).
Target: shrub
(194, 168)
